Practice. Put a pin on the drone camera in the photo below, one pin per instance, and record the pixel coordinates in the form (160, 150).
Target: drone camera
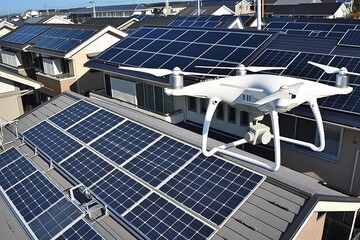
(258, 133)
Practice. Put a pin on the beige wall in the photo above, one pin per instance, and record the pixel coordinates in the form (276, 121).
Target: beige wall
(336, 174)
(313, 228)
(54, 86)
(11, 105)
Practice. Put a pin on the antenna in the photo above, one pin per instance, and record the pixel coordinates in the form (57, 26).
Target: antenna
(93, 7)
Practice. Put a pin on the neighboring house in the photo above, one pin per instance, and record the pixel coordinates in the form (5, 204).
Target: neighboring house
(6, 27)
(324, 10)
(51, 19)
(214, 10)
(12, 87)
(226, 21)
(244, 7)
(57, 53)
(116, 22)
(150, 180)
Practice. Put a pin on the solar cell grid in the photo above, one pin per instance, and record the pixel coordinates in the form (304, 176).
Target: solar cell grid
(24, 34)
(33, 195)
(50, 140)
(55, 219)
(119, 191)
(86, 167)
(212, 187)
(9, 156)
(94, 125)
(124, 141)
(351, 38)
(80, 230)
(160, 160)
(73, 114)
(157, 218)
(15, 172)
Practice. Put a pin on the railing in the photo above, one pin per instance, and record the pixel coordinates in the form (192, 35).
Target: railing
(13, 127)
(58, 76)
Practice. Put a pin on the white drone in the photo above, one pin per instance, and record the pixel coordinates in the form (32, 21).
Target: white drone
(268, 93)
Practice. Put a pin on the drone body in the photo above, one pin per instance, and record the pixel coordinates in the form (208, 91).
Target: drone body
(270, 94)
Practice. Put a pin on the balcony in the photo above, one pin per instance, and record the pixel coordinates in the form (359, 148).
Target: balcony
(55, 84)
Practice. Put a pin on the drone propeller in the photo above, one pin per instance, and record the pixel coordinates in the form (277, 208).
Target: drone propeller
(241, 67)
(164, 72)
(331, 70)
(283, 92)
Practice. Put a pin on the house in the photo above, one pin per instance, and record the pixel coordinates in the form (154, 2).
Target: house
(244, 7)
(313, 10)
(12, 87)
(54, 54)
(50, 19)
(190, 198)
(208, 10)
(6, 27)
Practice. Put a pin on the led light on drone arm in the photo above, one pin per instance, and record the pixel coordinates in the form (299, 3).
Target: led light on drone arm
(320, 128)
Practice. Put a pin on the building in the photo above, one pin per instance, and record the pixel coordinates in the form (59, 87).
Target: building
(266, 205)
(6, 27)
(54, 55)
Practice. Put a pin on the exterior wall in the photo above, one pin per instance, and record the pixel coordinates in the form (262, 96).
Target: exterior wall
(314, 228)
(10, 101)
(222, 11)
(54, 86)
(243, 7)
(4, 31)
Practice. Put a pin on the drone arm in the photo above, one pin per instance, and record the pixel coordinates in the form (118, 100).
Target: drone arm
(320, 128)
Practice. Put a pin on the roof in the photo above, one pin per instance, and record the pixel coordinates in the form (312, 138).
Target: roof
(205, 10)
(295, 2)
(310, 9)
(112, 8)
(15, 77)
(155, 20)
(116, 22)
(275, 210)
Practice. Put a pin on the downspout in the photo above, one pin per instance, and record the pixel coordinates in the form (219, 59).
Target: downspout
(354, 171)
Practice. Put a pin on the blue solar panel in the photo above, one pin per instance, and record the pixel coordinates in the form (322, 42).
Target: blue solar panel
(86, 167)
(212, 187)
(124, 141)
(33, 195)
(119, 191)
(351, 38)
(157, 218)
(24, 34)
(73, 114)
(51, 142)
(275, 58)
(55, 219)
(9, 156)
(186, 43)
(15, 172)
(160, 160)
(94, 125)
(80, 230)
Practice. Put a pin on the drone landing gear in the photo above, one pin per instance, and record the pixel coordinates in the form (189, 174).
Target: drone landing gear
(260, 133)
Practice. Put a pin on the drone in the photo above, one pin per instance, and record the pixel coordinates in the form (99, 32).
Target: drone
(268, 93)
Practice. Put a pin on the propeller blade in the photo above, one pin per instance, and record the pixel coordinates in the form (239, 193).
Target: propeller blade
(243, 88)
(242, 67)
(259, 69)
(201, 74)
(153, 71)
(327, 69)
(352, 73)
(275, 95)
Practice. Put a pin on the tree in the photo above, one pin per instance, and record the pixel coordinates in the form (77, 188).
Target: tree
(356, 6)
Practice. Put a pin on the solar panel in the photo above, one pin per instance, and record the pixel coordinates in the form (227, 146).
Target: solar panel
(157, 218)
(80, 230)
(351, 38)
(24, 34)
(124, 141)
(54, 219)
(73, 114)
(50, 141)
(86, 167)
(160, 160)
(9, 156)
(33, 195)
(94, 125)
(15, 172)
(119, 191)
(152, 48)
(212, 187)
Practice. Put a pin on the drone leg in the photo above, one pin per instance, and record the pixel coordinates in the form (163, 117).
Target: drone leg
(276, 133)
(213, 102)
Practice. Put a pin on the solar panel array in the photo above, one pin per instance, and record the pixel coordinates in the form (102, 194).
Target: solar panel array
(297, 66)
(61, 38)
(164, 47)
(40, 205)
(351, 38)
(24, 34)
(311, 28)
(136, 171)
(197, 21)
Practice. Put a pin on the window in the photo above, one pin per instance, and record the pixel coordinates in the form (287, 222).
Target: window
(203, 105)
(220, 111)
(244, 118)
(232, 114)
(52, 66)
(153, 98)
(10, 58)
(192, 104)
